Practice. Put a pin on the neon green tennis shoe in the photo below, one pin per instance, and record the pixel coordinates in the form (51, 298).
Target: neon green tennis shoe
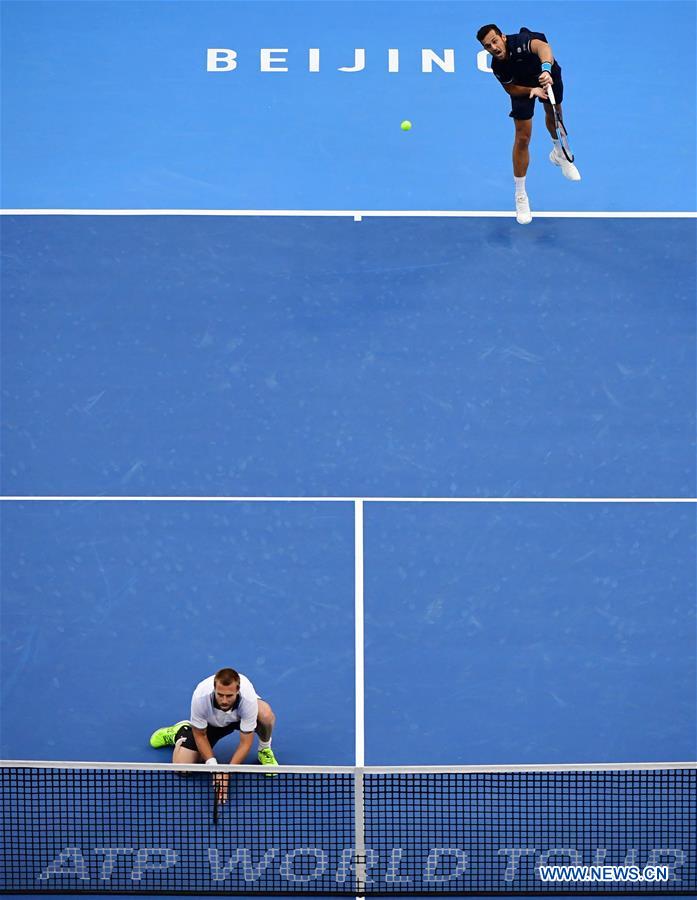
(266, 758)
(164, 737)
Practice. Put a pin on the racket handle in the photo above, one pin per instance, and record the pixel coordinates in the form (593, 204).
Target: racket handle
(550, 94)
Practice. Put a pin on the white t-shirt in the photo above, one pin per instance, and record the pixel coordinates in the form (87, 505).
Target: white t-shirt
(204, 713)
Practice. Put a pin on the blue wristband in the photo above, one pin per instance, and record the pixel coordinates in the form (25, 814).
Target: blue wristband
(546, 67)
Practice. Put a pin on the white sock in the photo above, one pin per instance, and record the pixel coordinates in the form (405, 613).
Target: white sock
(264, 745)
(519, 184)
(557, 146)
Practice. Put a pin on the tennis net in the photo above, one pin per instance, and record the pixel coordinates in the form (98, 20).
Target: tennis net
(372, 831)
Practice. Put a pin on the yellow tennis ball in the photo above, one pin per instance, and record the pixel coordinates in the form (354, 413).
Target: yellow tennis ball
(406, 125)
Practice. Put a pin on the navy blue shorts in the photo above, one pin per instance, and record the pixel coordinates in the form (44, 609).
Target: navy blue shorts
(524, 107)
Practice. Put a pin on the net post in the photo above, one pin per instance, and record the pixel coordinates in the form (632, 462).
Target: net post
(359, 830)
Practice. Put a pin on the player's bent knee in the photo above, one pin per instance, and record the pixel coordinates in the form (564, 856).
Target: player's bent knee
(266, 715)
(184, 757)
(263, 708)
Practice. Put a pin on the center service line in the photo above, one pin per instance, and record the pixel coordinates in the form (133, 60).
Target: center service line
(358, 786)
(359, 635)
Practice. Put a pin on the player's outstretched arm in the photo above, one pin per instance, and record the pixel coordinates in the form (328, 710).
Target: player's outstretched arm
(542, 49)
(544, 52)
(243, 748)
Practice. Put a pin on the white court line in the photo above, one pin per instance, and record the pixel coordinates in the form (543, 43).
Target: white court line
(359, 663)
(252, 769)
(267, 499)
(356, 214)
(359, 629)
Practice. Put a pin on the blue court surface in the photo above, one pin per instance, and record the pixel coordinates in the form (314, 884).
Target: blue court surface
(493, 633)
(322, 356)
(112, 105)
(267, 368)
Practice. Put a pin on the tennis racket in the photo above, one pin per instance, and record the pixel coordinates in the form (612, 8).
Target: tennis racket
(559, 127)
(220, 788)
(216, 802)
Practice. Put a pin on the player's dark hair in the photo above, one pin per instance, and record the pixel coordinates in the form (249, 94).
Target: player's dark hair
(485, 29)
(226, 677)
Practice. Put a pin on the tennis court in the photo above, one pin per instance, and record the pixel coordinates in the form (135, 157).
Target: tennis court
(287, 388)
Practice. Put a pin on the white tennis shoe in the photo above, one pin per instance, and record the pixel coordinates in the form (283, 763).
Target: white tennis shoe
(522, 209)
(568, 169)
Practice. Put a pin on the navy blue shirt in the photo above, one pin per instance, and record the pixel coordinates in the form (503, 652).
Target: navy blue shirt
(521, 65)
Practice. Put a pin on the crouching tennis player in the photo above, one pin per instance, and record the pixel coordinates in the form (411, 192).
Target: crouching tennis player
(525, 66)
(223, 703)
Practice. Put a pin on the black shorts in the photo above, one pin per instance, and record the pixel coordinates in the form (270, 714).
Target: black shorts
(213, 732)
(524, 107)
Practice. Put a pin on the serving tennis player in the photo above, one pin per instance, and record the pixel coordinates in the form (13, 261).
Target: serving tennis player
(222, 703)
(525, 65)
